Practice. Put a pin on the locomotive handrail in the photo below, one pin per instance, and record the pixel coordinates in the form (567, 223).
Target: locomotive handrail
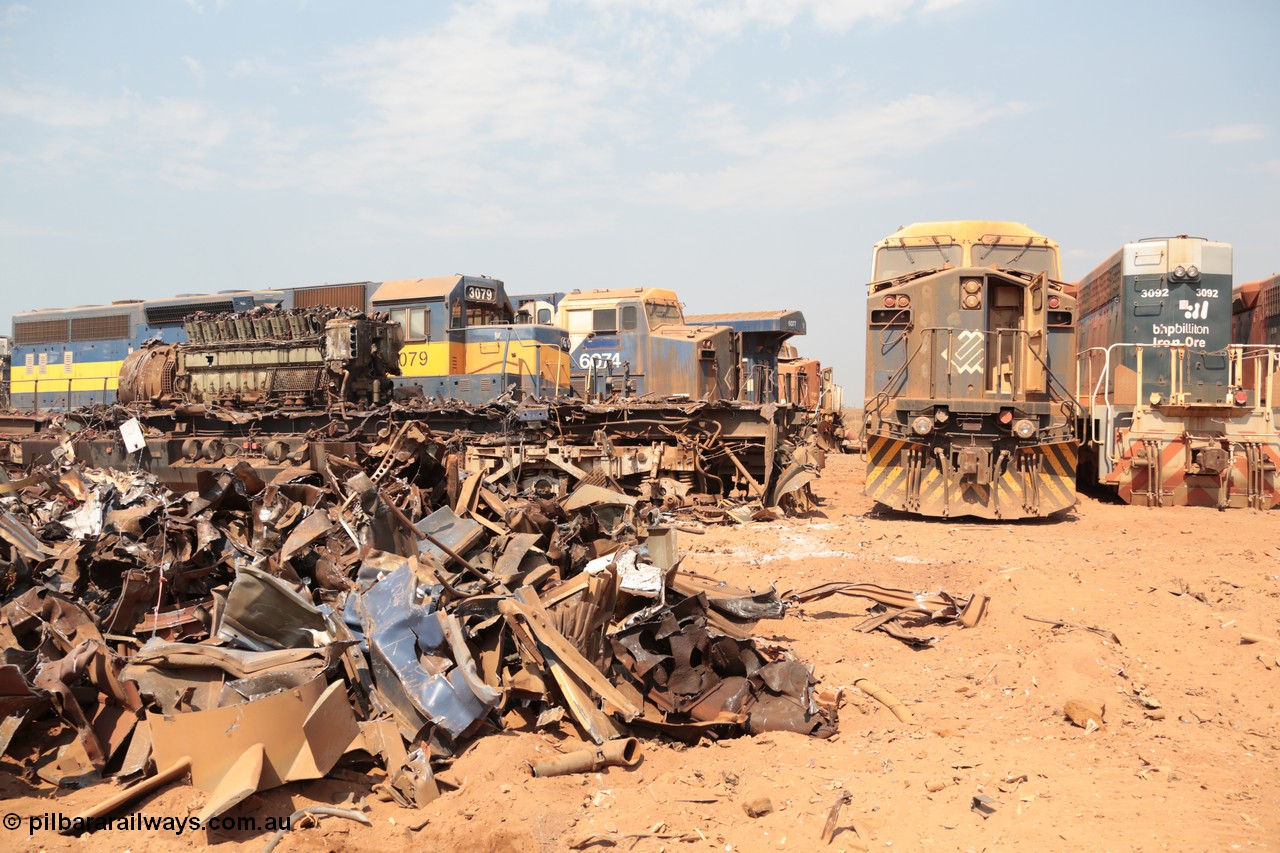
(1236, 353)
(1109, 438)
(1257, 354)
(877, 401)
(1018, 353)
(883, 396)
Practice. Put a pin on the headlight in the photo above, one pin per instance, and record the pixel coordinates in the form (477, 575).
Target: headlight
(1193, 271)
(1024, 428)
(1179, 271)
(971, 285)
(922, 425)
(971, 300)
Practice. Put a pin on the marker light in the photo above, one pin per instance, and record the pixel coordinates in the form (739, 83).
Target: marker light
(888, 302)
(904, 301)
(1054, 302)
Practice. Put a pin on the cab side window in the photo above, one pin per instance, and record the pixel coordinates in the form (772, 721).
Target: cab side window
(604, 321)
(416, 322)
(628, 318)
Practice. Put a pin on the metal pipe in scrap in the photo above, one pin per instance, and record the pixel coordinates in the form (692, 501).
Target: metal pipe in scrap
(624, 752)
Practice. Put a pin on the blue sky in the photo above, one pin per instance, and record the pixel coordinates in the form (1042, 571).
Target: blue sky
(746, 154)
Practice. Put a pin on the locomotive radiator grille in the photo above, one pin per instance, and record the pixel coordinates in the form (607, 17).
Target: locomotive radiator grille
(294, 380)
(166, 377)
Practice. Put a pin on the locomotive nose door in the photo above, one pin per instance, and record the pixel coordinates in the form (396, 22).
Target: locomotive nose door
(1035, 376)
(1005, 326)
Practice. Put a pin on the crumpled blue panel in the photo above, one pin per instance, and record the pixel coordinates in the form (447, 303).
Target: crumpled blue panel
(400, 629)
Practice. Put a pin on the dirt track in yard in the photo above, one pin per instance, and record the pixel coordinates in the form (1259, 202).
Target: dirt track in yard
(1177, 587)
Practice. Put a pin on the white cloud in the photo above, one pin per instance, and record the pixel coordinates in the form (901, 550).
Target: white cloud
(1225, 133)
(193, 65)
(731, 17)
(469, 107)
(14, 13)
(795, 91)
(807, 163)
(185, 129)
(502, 108)
(11, 228)
(256, 66)
(57, 108)
(80, 132)
(932, 6)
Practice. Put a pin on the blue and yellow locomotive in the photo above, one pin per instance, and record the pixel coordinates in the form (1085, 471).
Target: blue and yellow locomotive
(65, 358)
(461, 339)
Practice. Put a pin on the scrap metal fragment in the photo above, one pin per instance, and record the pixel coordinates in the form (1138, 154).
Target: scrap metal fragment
(297, 819)
(884, 697)
(411, 783)
(735, 602)
(576, 677)
(624, 752)
(263, 613)
(1058, 623)
(833, 816)
(411, 644)
(289, 735)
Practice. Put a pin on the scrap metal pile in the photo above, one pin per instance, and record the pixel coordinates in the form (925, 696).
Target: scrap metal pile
(253, 631)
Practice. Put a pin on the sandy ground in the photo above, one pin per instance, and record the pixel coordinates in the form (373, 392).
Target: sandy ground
(1177, 587)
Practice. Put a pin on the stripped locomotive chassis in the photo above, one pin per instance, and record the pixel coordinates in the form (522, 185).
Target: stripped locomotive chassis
(669, 453)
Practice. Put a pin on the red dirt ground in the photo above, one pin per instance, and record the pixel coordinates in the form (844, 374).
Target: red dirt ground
(1177, 586)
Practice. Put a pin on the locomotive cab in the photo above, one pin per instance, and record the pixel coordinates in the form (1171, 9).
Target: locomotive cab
(635, 342)
(463, 341)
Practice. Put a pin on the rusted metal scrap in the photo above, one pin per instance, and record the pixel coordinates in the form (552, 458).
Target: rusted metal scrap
(900, 604)
(383, 604)
(692, 460)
